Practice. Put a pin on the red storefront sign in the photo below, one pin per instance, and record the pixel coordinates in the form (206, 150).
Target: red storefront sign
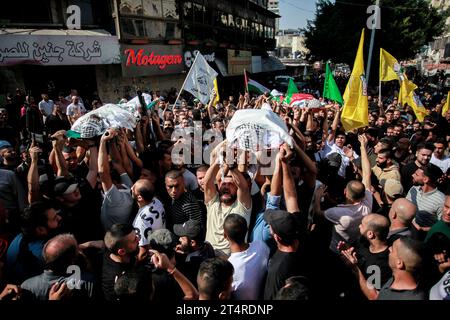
(151, 60)
(141, 59)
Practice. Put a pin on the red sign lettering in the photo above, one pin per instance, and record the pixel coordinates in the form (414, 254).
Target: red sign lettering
(140, 59)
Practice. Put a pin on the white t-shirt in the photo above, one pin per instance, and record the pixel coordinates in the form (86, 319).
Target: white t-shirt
(346, 219)
(46, 107)
(73, 109)
(148, 219)
(250, 269)
(331, 147)
(443, 164)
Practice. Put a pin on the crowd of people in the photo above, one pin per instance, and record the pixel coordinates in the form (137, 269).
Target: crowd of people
(343, 215)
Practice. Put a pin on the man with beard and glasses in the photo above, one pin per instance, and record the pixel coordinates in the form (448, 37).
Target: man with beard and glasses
(371, 251)
(39, 222)
(423, 157)
(192, 248)
(385, 167)
(233, 196)
(122, 247)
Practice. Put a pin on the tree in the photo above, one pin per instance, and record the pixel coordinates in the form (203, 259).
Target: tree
(406, 25)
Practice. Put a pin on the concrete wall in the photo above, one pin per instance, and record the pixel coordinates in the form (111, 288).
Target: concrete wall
(112, 86)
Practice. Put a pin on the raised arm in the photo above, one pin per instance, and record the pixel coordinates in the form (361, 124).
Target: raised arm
(91, 176)
(334, 125)
(290, 193)
(351, 260)
(132, 155)
(309, 123)
(310, 178)
(210, 175)
(366, 169)
(103, 162)
(243, 191)
(157, 126)
(277, 178)
(138, 136)
(161, 261)
(210, 106)
(33, 175)
(58, 145)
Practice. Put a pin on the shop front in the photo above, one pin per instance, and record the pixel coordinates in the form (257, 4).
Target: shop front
(54, 60)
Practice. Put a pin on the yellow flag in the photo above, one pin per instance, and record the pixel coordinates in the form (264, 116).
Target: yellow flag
(389, 66)
(407, 95)
(446, 106)
(355, 113)
(216, 89)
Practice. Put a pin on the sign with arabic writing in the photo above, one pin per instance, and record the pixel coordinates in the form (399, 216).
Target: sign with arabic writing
(148, 60)
(51, 50)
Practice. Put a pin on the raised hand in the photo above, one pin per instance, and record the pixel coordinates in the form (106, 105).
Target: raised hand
(109, 134)
(34, 153)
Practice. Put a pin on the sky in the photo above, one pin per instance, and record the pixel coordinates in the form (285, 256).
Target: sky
(295, 13)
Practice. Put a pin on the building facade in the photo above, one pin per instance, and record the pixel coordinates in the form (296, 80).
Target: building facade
(274, 6)
(145, 44)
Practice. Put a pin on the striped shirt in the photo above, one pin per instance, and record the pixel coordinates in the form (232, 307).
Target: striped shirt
(430, 202)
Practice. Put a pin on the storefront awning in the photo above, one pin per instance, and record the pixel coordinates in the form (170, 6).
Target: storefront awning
(271, 64)
(58, 47)
(221, 66)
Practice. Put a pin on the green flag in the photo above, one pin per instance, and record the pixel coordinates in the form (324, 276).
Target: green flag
(292, 88)
(330, 88)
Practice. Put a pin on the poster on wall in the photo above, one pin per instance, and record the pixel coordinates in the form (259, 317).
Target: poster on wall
(238, 60)
(149, 60)
(56, 50)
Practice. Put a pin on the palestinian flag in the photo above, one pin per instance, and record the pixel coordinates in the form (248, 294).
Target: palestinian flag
(253, 86)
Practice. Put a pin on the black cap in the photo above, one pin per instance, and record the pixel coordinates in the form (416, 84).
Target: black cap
(191, 229)
(284, 224)
(63, 185)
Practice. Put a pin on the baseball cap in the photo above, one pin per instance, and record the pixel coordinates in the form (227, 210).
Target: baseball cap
(4, 144)
(162, 240)
(441, 290)
(286, 225)
(64, 185)
(191, 229)
(392, 187)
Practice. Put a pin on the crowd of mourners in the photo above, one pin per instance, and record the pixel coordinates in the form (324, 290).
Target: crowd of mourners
(343, 215)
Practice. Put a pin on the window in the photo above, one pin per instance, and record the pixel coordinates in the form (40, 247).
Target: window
(132, 27)
(170, 30)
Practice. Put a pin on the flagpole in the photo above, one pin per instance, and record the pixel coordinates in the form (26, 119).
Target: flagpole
(379, 86)
(185, 79)
(372, 38)
(246, 82)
